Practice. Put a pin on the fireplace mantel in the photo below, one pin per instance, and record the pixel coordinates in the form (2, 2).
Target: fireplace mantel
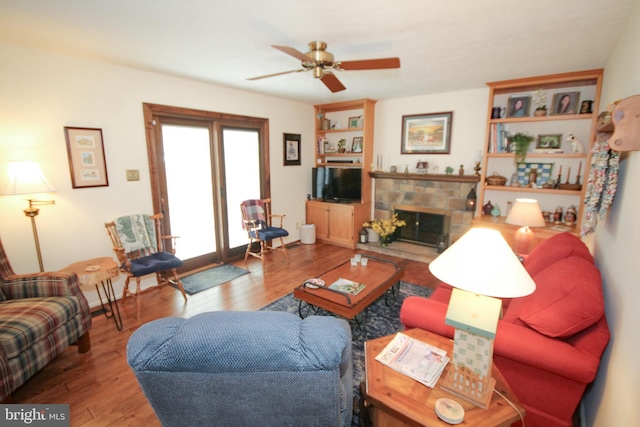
(426, 177)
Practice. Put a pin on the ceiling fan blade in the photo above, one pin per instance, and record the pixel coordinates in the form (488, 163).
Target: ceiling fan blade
(293, 52)
(277, 74)
(332, 82)
(370, 64)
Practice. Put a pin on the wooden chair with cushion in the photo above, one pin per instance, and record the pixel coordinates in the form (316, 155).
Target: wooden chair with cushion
(257, 220)
(137, 242)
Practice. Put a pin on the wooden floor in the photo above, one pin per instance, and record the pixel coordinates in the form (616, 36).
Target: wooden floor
(100, 387)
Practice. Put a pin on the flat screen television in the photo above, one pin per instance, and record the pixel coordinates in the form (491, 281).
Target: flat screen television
(337, 184)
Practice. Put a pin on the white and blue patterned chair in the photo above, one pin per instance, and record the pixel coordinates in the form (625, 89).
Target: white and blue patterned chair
(252, 368)
(137, 242)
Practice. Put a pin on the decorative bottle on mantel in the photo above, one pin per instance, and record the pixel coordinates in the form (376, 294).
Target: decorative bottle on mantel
(487, 208)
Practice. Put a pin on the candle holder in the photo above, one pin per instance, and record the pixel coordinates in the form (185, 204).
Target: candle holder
(477, 168)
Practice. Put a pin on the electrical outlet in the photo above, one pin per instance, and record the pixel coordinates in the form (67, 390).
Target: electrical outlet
(133, 175)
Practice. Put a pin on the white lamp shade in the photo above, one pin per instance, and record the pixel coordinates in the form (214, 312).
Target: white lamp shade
(482, 262)
(26, 178)
(526, 212)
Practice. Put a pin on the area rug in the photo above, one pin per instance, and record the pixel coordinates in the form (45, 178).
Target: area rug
(207, 279)
(381, 320)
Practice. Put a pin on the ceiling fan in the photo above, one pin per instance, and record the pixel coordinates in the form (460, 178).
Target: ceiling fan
(321, 62)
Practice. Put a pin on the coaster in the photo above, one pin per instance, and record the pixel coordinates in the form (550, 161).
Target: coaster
(314, 283)
(92, 268)
(449, 411)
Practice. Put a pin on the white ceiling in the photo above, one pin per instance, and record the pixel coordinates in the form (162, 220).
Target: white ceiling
(443, 45)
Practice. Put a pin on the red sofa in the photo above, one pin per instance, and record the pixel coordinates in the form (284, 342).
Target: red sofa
(548, 344)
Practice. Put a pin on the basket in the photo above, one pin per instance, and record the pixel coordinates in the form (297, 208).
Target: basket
(496, 179)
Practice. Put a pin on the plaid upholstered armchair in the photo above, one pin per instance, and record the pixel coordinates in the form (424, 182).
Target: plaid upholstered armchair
(41, 315)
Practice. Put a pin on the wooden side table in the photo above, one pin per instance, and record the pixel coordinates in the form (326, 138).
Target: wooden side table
(394, 399)
(96, 271)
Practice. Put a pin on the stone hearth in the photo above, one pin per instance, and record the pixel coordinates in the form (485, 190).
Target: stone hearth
(404, 250)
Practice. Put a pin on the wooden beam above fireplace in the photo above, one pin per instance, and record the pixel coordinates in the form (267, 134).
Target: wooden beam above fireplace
(426, 177)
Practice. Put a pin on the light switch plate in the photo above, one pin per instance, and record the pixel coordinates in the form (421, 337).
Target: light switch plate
(133, 175)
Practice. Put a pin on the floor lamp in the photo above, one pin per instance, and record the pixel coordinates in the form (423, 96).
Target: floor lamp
(482, 268)
(27, 178)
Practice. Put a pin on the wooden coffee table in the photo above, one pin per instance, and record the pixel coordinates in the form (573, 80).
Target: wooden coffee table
(394, 399)
(379, 276)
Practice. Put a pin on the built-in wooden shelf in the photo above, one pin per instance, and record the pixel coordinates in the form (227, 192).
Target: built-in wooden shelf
(426, 177)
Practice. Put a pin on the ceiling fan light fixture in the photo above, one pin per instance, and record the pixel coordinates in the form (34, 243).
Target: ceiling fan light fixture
(321, 62)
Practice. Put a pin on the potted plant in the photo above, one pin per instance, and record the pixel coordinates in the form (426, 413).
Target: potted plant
(385, 227)
(520, 143)
(540, 101)
(341, 143)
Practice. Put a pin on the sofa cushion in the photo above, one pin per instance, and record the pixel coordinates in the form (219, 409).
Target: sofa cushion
(24, 322)
(554, 249)
(568, 299)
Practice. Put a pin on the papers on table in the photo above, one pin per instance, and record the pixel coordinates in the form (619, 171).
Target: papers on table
(414, 358)
(347, 286)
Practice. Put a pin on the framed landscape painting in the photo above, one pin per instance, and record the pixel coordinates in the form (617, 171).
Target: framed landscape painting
(426, 133)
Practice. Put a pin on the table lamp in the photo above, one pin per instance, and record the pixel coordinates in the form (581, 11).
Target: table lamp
(27, 178)
(482, 268)
(527, 213)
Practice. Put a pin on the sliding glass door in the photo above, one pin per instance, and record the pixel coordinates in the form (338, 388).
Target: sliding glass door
(202, 168)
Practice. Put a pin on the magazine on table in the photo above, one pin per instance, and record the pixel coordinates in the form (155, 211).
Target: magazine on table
(347, 286)
(414, 358)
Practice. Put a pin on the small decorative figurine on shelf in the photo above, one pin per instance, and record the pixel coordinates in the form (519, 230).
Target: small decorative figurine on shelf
(576, 146)
(557, 215)
(421, 167)
(461, 170)
(448, 170)
(495, 212)
(570, 216)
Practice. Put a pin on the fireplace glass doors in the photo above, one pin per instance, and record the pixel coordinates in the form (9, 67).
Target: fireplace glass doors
(425, 226)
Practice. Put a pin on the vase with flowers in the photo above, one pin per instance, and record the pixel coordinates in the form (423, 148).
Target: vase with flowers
(385, 228)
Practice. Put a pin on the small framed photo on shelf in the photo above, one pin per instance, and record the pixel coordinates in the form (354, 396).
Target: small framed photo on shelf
(356, 145)
(565, 103)
(518, 106)
(549, 141)
(291, 145)
(85, 149)
(426, 133)
(355, 122)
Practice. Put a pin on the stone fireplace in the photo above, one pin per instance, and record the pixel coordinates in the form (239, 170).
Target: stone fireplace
(445, 195)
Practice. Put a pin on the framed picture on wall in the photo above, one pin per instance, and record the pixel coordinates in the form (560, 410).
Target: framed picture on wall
(87, 164)
(426, 133)
(291, 145)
